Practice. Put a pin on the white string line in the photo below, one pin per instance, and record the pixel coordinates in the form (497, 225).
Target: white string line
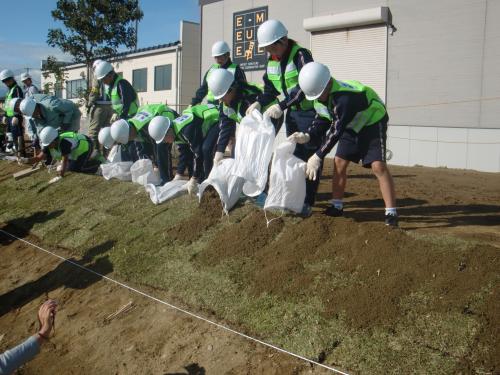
(178, 308)
(431, 140)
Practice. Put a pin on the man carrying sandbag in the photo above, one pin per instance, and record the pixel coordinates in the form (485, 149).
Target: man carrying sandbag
(356, 118)
(135, 131)
(235, 99)
(198, 128)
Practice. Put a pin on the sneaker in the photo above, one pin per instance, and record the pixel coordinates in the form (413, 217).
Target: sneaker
(334, 211)
(391, 220)
(306, 210)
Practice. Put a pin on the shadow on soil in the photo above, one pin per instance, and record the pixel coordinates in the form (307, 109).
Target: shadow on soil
(192, 369)
(65, 274)
(22, 226)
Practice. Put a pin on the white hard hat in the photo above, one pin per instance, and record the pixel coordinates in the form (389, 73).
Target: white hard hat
(27, 106)
(47, 135)
(313, 78)
(25, 76)
(102, 69)
(96, 62)
(158, 128)
(105, 137)
(13, 102)
(6, 73)
(120, 131)
(219, 81)
(220, 48)
(270, 31)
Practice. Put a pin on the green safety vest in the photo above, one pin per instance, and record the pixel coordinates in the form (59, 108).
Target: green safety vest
(207, 112)
(9, 111)
(371, 115)
(290, 79)
(79, 142)
(231, 68)
(146, 113)
(116, 101)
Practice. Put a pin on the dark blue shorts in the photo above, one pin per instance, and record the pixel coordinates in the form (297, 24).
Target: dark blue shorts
(368, 145)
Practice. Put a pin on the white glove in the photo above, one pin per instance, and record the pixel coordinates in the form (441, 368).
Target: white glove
(218, 157)
(255, 105)
(59, 168)
(177, 177)
(299, 138)
(55, 179)
(114, 118)
(21, 160)
(313, 165)
(274, 111)
(192, 186)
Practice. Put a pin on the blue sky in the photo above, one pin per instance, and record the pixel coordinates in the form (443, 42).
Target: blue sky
(23, 42)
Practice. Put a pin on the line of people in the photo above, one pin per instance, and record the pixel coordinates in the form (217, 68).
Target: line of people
(318, 110)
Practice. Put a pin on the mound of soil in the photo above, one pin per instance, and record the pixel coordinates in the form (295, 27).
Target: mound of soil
(207, 214)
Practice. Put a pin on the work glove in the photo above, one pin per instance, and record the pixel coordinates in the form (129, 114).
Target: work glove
(274, 111)
(114, 118)
(313, 165)
(255, 105)
(192, 186)
(55, 179)
(177, 177)
(218, 157)
(59, 168)
(21, 160)
(299, 138)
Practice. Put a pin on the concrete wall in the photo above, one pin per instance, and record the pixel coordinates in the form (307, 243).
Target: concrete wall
(443, 73)
(190, 62)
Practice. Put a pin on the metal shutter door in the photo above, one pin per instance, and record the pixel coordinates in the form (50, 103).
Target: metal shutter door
(359, 53)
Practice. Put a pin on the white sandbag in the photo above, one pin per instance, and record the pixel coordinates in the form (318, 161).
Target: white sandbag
(119, 170)
(170, 190)
(143, 173)
(253, 152)
(228, 186)
(287, 182)
(115, 154)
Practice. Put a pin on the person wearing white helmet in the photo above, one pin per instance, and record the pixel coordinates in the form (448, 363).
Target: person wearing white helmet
(135, 130)
(222, 56)
(48, 110)
(353, 115)
(72, 149)
(197, 127)
(123, 97)
(286, 59)
(235, 99)
(98, 109)
(29, 88)
(15, 130)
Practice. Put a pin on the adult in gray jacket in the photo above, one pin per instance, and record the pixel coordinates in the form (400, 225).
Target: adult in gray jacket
(26, 351)
(48, 110)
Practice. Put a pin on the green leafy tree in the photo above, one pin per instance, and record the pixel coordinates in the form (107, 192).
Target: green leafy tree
(94, 29)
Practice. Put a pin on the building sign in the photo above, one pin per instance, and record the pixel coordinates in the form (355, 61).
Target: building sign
(245, 50)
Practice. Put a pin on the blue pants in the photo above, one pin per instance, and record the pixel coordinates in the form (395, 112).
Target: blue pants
(186, 159)
(164, 161)
(208, 150)
(300, 121)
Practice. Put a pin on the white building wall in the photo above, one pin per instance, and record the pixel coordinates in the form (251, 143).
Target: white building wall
(443, 73)
(190, 62)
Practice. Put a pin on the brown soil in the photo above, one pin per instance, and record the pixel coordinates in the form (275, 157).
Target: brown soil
(148, 339)
(207, 214)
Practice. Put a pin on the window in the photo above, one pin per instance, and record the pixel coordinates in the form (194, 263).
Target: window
(140, 79)
(75, 87)
(163, 77)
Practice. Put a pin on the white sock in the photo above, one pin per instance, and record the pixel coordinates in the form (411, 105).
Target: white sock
(391, 211)
(337, 203)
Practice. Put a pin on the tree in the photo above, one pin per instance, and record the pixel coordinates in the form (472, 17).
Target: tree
(94, 29)
(56, 68)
